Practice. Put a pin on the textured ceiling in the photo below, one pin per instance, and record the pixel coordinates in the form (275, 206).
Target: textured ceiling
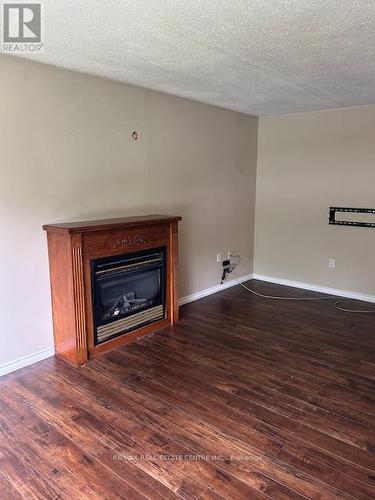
(256, 56)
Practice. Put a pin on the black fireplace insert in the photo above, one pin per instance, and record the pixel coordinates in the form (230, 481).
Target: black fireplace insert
(128, 292)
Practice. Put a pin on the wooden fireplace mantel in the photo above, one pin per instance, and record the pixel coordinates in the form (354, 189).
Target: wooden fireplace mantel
(72, 247)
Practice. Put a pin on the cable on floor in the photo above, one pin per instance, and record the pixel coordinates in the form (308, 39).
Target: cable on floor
(336, 304)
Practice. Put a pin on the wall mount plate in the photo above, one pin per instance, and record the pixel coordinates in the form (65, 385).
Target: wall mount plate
(363, 217)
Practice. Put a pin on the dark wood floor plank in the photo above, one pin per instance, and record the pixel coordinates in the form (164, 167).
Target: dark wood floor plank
(288, 375)
(284, 476)
(320, 472)
(149, 437)
(243, 398)
(26, 478)
(161, 418)
(20, 440)
(320, 322)
(210, 494)
(214, 398)
(7, 490)
(334, 425)
(245, 380)
(277, 350)
(285, 385)
(99, 437)
(22, 426)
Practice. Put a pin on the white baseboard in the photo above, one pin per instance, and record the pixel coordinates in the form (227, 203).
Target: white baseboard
(213, 289)
(26, 360)
(316, 288)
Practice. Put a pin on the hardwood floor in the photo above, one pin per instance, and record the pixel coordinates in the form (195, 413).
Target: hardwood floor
(244, 398)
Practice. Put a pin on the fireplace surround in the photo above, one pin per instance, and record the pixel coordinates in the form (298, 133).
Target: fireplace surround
(112, 281)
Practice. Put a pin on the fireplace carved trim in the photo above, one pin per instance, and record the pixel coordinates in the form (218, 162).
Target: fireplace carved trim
(72, 247)
(129, 242)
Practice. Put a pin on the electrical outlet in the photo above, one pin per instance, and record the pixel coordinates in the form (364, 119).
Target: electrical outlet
(218, 257)
(331, 263)
(229, 254)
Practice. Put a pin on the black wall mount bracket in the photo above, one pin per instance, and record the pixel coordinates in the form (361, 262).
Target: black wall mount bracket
(358, 223)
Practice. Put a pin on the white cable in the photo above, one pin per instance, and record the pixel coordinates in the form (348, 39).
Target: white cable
(282, 298)
(335, 305)
(344, 309)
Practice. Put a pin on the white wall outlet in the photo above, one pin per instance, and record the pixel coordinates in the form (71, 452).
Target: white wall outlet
(218, 257)
(229, 254)
(331, 263)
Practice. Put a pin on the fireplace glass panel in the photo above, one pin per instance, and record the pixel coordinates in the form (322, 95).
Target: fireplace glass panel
(128, 292)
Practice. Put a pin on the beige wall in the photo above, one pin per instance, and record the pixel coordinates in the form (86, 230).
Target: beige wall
(66, 154)
(307, 163)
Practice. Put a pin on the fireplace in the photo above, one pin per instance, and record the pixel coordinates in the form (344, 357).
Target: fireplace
(112, 281)
(128, 292)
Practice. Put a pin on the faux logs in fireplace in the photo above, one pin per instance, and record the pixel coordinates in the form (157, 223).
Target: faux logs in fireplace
(112, 281)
